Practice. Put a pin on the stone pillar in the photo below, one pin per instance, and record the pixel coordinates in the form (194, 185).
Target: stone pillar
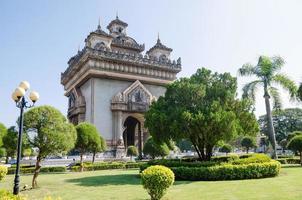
(120, 148)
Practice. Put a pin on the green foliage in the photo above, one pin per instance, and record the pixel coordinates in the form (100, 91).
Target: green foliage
(289, 160)
(3, 172)
(293, 134)
(295, 144)
(6, 195)
(52, 133)
(155, 149)
(202, 109)
(285, 122)
(226, 148)
(132, 151)
(106, 165)
(2, 152)
(185, 145)
(10, 141)
(227, 158)
(156, 180)
(31, 169)
(27, 152)
(228, 172)
(254, 158)
(300, 92)
(248, 142)
(3, 131)
(88, 138)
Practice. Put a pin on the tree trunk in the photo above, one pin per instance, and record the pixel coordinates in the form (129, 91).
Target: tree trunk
(93, 157)
(6, 160)
(36, 173)
(208, 153)
(81, 162)
(301, 158)
(247, 150)
(270, 121)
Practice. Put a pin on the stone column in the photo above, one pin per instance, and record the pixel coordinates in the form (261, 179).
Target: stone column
(120, 148)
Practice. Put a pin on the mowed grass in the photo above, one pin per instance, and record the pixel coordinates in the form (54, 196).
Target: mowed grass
(125, 184)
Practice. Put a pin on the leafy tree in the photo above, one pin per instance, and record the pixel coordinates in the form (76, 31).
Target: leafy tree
(284, 121)
(185, 145)
(283, 144)
(226, 148)
(98, 146)
(88, 140)
(293, 134)
(202, 109)
(2, 152)
(3, 131)
(132, 151)
(49, 132)
(295, 144)
(267, 73)
(248, 142)
(10, 140)
(155, 149)
(27, 152)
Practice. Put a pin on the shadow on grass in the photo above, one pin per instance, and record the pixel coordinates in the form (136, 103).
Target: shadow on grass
(119, 179)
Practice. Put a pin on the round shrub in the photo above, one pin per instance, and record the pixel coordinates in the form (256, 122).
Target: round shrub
(3, 172)
(132, 151)
(6, 195)
(154, 149)
(226, 148)
(295, 144)
(156, 180)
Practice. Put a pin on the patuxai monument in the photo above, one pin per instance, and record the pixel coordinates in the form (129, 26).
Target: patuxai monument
(111, 82)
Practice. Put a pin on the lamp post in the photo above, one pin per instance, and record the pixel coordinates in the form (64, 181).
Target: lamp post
(22, 103)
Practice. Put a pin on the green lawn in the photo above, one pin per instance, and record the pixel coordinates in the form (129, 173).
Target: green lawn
(125, 184)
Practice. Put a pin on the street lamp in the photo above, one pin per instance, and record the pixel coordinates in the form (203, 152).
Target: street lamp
(22, 103)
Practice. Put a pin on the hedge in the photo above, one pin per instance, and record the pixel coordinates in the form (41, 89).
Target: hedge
(228, 171)
(31, 170)
(255, 158)
(289, 160)
(106, 165)
(6, 195)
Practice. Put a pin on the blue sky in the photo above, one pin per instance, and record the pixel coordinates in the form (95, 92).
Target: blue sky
(38, 37)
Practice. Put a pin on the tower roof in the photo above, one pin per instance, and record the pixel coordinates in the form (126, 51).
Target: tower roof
(117, 21)
(159, 45)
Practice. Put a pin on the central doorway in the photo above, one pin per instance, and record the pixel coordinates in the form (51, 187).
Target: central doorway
(132, 134)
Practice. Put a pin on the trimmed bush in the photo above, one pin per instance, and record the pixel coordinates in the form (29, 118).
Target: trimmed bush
(31, 170)
(255, 158)
(3, 172)
(228, 158)
(228, 172)
(289, 160)
(156, 180)
(132, 151)
(106, 165)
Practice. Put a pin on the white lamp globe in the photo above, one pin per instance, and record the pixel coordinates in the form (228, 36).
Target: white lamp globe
(34, 96)
(15, 97)
(25, 85)
(20, 92)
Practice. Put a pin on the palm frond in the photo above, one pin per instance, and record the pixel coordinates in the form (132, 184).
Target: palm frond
(247, 70)
(274, 93)
(277, 63)
(288, 84)
(250, 89)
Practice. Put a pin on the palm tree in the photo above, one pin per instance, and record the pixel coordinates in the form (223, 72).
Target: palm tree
(267, 72)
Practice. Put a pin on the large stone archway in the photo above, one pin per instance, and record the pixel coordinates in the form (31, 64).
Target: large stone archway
(128, 108)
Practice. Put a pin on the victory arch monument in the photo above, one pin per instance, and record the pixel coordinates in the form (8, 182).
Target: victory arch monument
(111, 83)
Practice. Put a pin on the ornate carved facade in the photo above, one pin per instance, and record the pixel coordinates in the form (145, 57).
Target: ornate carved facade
(111, 83)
